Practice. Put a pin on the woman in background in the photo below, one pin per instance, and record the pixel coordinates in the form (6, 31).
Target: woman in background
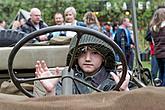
(70, 19)
(91, 21)
(157, 27)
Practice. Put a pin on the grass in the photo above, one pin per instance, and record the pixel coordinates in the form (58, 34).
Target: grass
(146, 64)
(143, 45)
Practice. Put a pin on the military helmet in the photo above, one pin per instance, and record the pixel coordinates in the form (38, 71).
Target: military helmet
(96, 43)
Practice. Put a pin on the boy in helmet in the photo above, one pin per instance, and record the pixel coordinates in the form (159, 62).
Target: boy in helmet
(94, 63)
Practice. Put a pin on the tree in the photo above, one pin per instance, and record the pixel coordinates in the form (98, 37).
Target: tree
(9, 9)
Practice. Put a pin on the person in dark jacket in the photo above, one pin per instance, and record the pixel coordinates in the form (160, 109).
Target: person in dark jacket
(157, 27)
(35, 23)
(94, 63)
(125, 42)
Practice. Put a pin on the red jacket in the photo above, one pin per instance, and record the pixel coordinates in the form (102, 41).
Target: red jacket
(152, 48)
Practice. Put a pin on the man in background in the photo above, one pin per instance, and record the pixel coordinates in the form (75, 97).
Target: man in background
(35, 23)
(125, 42)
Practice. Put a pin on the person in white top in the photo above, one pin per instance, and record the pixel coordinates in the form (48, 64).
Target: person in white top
(70, 19)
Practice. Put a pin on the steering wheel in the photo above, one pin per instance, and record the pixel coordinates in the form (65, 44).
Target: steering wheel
(80, 31)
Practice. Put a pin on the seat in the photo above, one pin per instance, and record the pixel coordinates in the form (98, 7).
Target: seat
(53, 55)
(9, 37)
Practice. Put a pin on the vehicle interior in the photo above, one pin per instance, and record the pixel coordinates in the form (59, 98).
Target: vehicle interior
(17, 77)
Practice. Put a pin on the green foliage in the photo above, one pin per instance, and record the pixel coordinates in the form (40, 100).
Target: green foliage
(9, 9)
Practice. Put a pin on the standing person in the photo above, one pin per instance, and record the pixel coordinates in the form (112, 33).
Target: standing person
(114, 28)
(34, 23)
(91, 21)
(70, 19)
(157, 27)
(124, 40)
(154, 64)
(131, 61)
(106, 30)
(94, 63)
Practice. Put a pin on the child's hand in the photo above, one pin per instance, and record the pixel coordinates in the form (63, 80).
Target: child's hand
(43, 71)
(124, 86)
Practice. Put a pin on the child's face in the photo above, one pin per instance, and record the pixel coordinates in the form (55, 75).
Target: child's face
(90, 61)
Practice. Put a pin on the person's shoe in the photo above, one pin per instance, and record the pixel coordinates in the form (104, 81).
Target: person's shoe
(157, 82)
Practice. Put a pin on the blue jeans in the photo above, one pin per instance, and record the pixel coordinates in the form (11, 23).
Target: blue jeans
(129, 57)
(154, 67)
(161, 64)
